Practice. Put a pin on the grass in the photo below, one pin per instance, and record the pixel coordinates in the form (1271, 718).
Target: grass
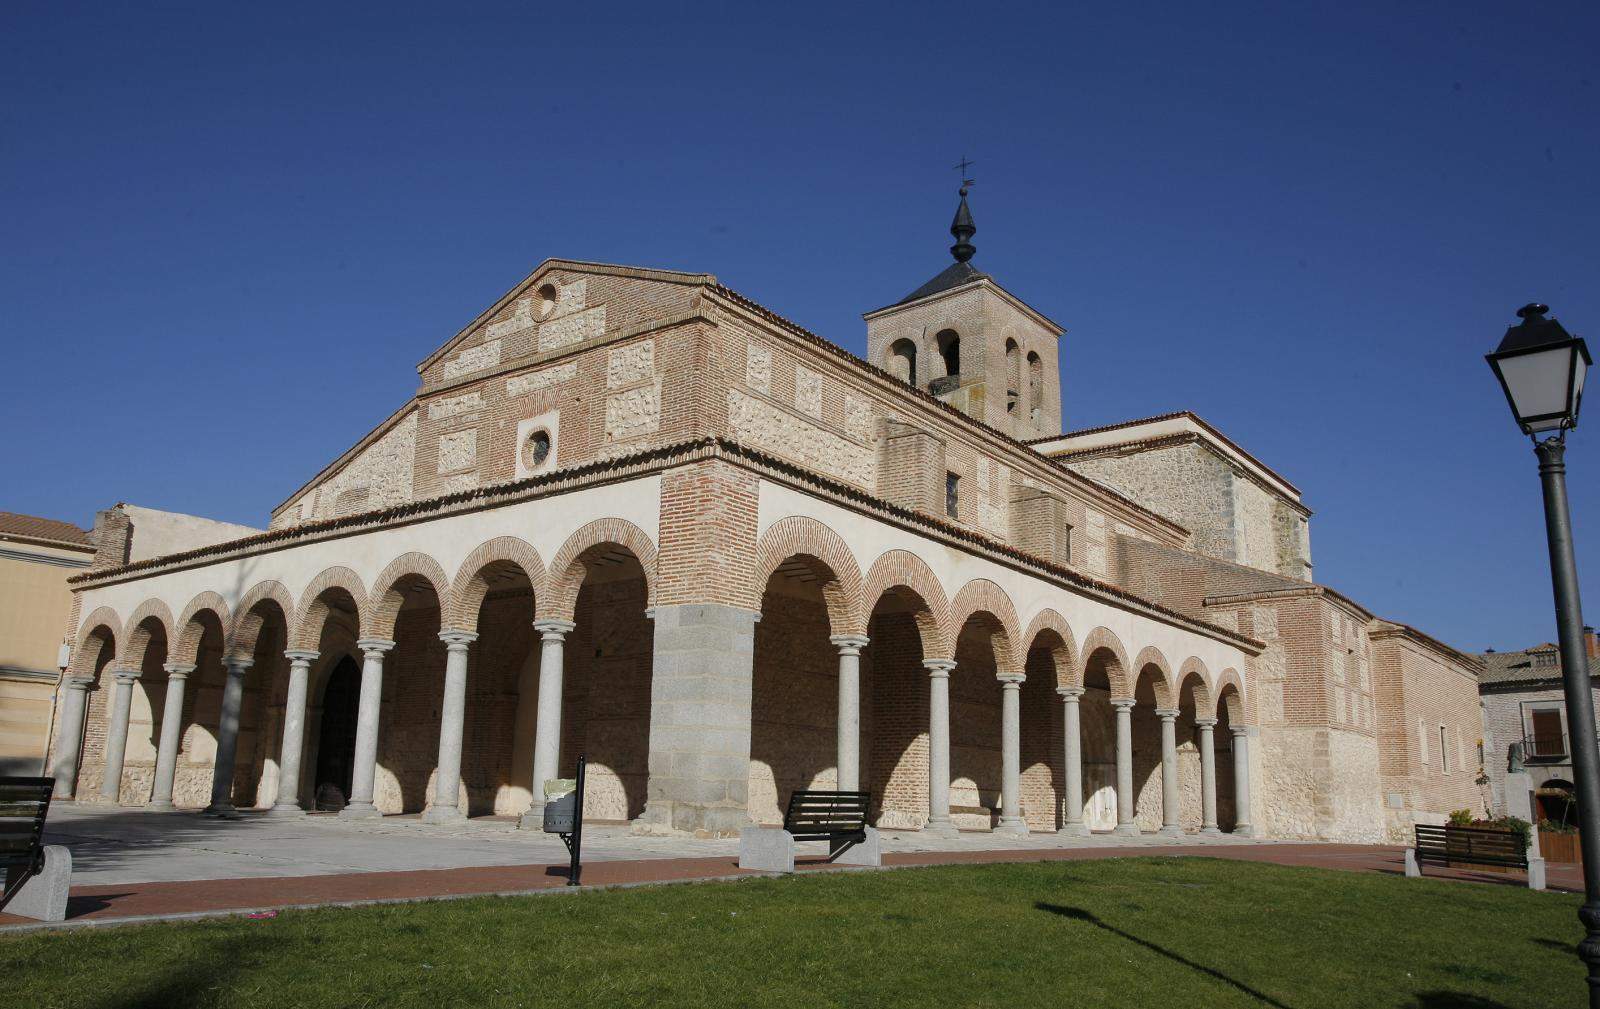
(1175, 932)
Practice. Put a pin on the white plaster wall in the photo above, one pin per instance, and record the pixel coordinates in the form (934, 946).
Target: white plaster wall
(546, 523)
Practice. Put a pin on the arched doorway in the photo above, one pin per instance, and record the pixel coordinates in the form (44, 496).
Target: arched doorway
(336, 741)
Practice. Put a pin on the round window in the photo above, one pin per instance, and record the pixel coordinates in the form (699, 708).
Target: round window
(536, 450)
(547, 300)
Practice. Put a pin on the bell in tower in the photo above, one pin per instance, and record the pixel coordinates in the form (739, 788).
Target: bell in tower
(970, 342)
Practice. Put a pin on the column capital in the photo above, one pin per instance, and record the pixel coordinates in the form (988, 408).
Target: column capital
(553, 629)
(373, 648)
(79, 682)
(178, 670)
(939, 669)
(1070, 694)
(238, 665)
(1011, 681)
(125, 675)
(1123, 703)
(457, 639)
(1239, 731)
(849, 644)
(305, 655)
(1167, 714)
(1205, 723)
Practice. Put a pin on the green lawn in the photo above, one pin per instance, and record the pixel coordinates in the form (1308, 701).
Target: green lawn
(1128, 933)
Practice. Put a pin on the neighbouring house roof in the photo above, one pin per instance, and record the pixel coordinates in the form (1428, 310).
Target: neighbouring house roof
(43, 530)
(1522, 667)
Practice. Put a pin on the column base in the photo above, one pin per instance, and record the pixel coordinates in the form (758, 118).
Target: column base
(1012, 826)
(940, 828)
(159, 806)
(1212, 830)
(1126, 830)
(286, 809)
(1078, 829)
(444, 814)
(219, 809)
(359, 811)
(1243, 830)
(1171, 831)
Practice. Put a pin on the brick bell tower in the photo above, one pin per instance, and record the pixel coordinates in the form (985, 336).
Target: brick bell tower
(975, 345)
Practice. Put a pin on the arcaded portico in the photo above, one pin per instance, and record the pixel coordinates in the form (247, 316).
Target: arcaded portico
(635, 515)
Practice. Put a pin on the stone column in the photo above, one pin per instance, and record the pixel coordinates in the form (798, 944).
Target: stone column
(294, 733)
(849, 729)
(171, 734)
(362, 782)
(1011, 821)
(228, 736)
(1170, 824)
(117, 736)
(446, 806)
(1241, 783)
(1208, 776)
(69, 736)
(700, 689)
(547, 719)
(939, 747)
(1127, 819)
(1072, 824)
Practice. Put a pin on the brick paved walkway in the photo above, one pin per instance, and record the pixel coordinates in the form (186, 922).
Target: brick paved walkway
(190, 898)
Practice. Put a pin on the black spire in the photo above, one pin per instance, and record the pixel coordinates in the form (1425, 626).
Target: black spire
(963, 229)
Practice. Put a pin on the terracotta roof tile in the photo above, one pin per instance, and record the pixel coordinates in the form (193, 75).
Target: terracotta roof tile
(33, 527)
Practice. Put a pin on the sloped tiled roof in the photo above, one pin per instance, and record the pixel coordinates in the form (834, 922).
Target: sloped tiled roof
(32, 527)
(1516, 667)
(955, 275)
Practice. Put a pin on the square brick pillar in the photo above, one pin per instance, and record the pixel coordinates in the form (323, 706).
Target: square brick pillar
(705, 612)
(700, 719)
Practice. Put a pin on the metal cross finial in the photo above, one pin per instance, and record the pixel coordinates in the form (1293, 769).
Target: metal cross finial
(962, 168)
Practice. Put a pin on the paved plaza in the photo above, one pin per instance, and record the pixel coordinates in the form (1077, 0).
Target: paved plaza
(134, 865)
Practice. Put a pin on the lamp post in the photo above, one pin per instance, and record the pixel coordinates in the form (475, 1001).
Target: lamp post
(1541, 367)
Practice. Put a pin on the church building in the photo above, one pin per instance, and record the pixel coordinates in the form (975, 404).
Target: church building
(632, 514)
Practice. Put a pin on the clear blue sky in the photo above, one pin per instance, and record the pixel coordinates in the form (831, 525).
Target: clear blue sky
(231, 232)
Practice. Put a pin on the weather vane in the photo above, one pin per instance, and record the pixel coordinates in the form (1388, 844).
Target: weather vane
(962, 168)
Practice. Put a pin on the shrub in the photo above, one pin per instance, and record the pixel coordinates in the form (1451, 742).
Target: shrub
(1556, 827)
(1462, 818)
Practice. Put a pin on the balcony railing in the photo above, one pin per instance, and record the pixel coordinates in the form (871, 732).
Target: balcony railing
(1545, 748)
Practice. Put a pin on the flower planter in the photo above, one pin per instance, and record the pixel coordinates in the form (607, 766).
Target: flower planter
(1558, 847)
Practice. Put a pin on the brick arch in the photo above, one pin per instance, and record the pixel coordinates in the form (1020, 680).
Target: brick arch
(255, 606)
(981, 596)
(312, 611)
(191, 629)
(565, 578)
(1229, 691)
(827, 555)
(139, 635)
(386, 599)
(105, 619)
(469, 587)
(1064, 653)
(1166, 696)
(902, 569)
(1193, 670)
(1118, 673)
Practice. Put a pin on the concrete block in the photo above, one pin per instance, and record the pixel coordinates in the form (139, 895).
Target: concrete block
(44, 897)
(1412, 869)
(1536, 874)
(766, 849)
(868, 852)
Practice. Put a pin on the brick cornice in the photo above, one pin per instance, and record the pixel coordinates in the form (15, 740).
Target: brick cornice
(651, 461)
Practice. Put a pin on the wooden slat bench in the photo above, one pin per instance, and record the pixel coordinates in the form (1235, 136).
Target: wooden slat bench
(1453, 846)
(24, 803)
(839, 818)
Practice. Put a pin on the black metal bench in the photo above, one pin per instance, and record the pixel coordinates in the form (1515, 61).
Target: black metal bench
(840, 818)
(1438, 845)
(24, 803)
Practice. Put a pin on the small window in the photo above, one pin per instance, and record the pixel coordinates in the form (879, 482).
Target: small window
(1444, 752)
(903, 361)
(547, 300)
(952, 495)
(949, 342)
(536, 450)
(1066, 542)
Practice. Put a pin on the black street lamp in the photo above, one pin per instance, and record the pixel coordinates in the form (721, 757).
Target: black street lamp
(1541, 366)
